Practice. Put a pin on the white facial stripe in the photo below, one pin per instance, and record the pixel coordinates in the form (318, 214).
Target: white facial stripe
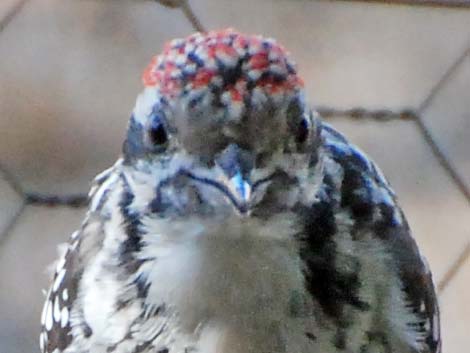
(144, 104)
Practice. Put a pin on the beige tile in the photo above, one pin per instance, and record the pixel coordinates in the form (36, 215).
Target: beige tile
(70, 72)
(10, 205)
(24, 256)
(436, 210)
(354, 53)
(448, 117)
(455, 312)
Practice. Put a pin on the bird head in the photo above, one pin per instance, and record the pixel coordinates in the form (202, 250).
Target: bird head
(222, 126)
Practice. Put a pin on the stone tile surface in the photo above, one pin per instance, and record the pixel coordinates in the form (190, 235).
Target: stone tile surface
(354, 53)
(455, 312)
(24, 256)
(70, 73)
(448, 117)
(10, 204)
(437, 212)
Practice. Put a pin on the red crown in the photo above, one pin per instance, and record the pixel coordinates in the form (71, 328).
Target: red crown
(227, 60)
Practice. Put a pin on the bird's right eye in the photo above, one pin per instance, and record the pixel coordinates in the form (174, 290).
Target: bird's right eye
(303, 130)
(157, 133)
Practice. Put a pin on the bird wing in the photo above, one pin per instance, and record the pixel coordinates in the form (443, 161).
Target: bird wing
(55, 318)
(97, 296)
(59, 310)
(356, 237)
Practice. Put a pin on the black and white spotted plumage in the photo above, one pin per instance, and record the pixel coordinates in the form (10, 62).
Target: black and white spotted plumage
(255, 228)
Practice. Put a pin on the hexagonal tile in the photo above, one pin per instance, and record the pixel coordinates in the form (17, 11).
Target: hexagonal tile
(436, 210)
(70, 75)
(354, 54)
(448, 118)
(24, 255)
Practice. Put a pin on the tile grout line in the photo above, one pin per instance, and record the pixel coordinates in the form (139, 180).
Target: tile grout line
(437, 151)
(358, 113)
(453, 270)
(11, 14)
(13, 220)
(443, 80)
(47, 200)
(188, 12)
(442, 158)
(11, 180)
(191, 16)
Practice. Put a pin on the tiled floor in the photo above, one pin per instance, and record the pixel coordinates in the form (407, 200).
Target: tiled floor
(70, 71)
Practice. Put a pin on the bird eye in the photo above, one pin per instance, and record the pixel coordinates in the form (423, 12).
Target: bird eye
(302, 132)
(157, 133)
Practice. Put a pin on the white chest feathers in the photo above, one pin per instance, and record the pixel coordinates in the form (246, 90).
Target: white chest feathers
(238, 280)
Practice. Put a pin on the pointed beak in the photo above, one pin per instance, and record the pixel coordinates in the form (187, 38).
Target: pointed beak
(235, 167)
(239, 187)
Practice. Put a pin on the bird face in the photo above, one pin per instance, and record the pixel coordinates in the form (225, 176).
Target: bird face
(222, 127)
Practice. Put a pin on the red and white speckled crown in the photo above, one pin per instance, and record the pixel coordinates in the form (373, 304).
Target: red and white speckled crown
(223, 68)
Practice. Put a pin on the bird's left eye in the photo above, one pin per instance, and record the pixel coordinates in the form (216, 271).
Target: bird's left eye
(303, 130)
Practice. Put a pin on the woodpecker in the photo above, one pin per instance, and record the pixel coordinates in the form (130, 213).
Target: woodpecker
(236, 220)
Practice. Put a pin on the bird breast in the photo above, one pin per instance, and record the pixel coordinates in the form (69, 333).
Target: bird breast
(243, 272)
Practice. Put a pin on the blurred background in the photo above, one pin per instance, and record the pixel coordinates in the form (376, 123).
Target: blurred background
(395, 78)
